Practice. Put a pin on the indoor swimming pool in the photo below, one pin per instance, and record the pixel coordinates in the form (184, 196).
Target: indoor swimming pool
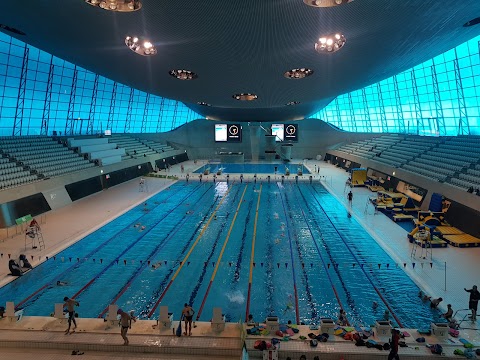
(280, 168)
(274, 248)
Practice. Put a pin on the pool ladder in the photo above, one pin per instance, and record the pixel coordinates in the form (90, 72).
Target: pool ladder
(465, 318)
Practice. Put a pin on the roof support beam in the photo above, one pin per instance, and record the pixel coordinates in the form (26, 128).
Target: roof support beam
(400, 120)
(440, 120)
(69, 124)
(353, 122)
(111, 112)
(463, 123)
(145, 114)
(160, 115)
(418, 108)
(93, 105)
(383, 116)
(128, 119)
(174, 121)
(339, 117)
(48, 100)
(18, 121)
(366, 111)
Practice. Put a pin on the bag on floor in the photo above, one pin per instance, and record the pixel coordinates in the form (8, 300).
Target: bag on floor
(453, 332)
(436, 349)
(260, 345)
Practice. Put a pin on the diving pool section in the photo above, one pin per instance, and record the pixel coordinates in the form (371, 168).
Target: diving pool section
(280, 168)
(193, 243)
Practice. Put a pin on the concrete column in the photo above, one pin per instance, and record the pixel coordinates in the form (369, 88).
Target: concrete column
(255, 141)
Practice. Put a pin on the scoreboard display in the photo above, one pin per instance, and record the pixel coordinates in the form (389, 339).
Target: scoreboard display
(291, 132)
(285, 132)
(228, 133)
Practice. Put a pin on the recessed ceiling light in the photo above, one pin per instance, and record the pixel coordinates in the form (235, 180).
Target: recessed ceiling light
(326, 3)
(203, 103)
(116, 5)
(245, 97)
(140, 45)
(472, 22)
(298, 73)
(290, 103)
(11, 29)
(183, 74)
(330, 43)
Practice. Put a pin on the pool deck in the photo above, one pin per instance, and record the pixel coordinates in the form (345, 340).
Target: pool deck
(66, 226)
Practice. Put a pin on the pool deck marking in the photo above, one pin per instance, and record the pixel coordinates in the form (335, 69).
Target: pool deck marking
(115, 261)
(217, 264)
(322, 259)
(297, 315)
(182, 263)
(17, 306)
(356, 259)
(177, 227)
(254, 237)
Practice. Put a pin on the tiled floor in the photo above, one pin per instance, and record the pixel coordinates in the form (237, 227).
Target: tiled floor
(55, 354)
(65, 226)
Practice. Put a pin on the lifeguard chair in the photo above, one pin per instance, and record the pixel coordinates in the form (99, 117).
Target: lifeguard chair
(423, 238)
(34, 236)
(142, 185)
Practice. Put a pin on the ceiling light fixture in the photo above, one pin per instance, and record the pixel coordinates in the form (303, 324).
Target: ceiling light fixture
(290, 103)
(116, 5)
(330, 43)
(203, 103)
(245, 97)
(140, 45)
(326, 3)
(183, 74)
(298, 73)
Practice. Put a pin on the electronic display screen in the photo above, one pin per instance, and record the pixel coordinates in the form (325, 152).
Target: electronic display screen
(228, 132)
(220, 132)
(234, 133)
(291, 132)
(279, 131)
(108, 132)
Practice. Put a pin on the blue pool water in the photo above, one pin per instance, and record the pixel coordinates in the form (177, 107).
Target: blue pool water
(310, 258)
(253, 168)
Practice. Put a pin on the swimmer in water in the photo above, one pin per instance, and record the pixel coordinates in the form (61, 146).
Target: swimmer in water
(289, 305)
(136, 225)
(62, 283)
(156, 265)
(374, 305)
(189, 212)
(142, 228)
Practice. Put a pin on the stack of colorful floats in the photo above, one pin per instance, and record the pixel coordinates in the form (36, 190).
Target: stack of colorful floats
(432, 230)
(397, 206)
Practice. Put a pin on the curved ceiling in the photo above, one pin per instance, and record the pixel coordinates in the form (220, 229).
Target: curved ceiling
(245, 46)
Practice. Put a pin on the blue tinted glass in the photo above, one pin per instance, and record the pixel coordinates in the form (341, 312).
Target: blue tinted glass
(42, 66)
(447, 86)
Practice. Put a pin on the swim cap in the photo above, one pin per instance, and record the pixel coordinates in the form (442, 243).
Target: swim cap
(119, 311)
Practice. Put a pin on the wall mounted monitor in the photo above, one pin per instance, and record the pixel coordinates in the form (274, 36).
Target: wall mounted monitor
(108, 132)
(220, 132)
(291, 132)
(228, 133)
(279, 131)
(234, 133)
